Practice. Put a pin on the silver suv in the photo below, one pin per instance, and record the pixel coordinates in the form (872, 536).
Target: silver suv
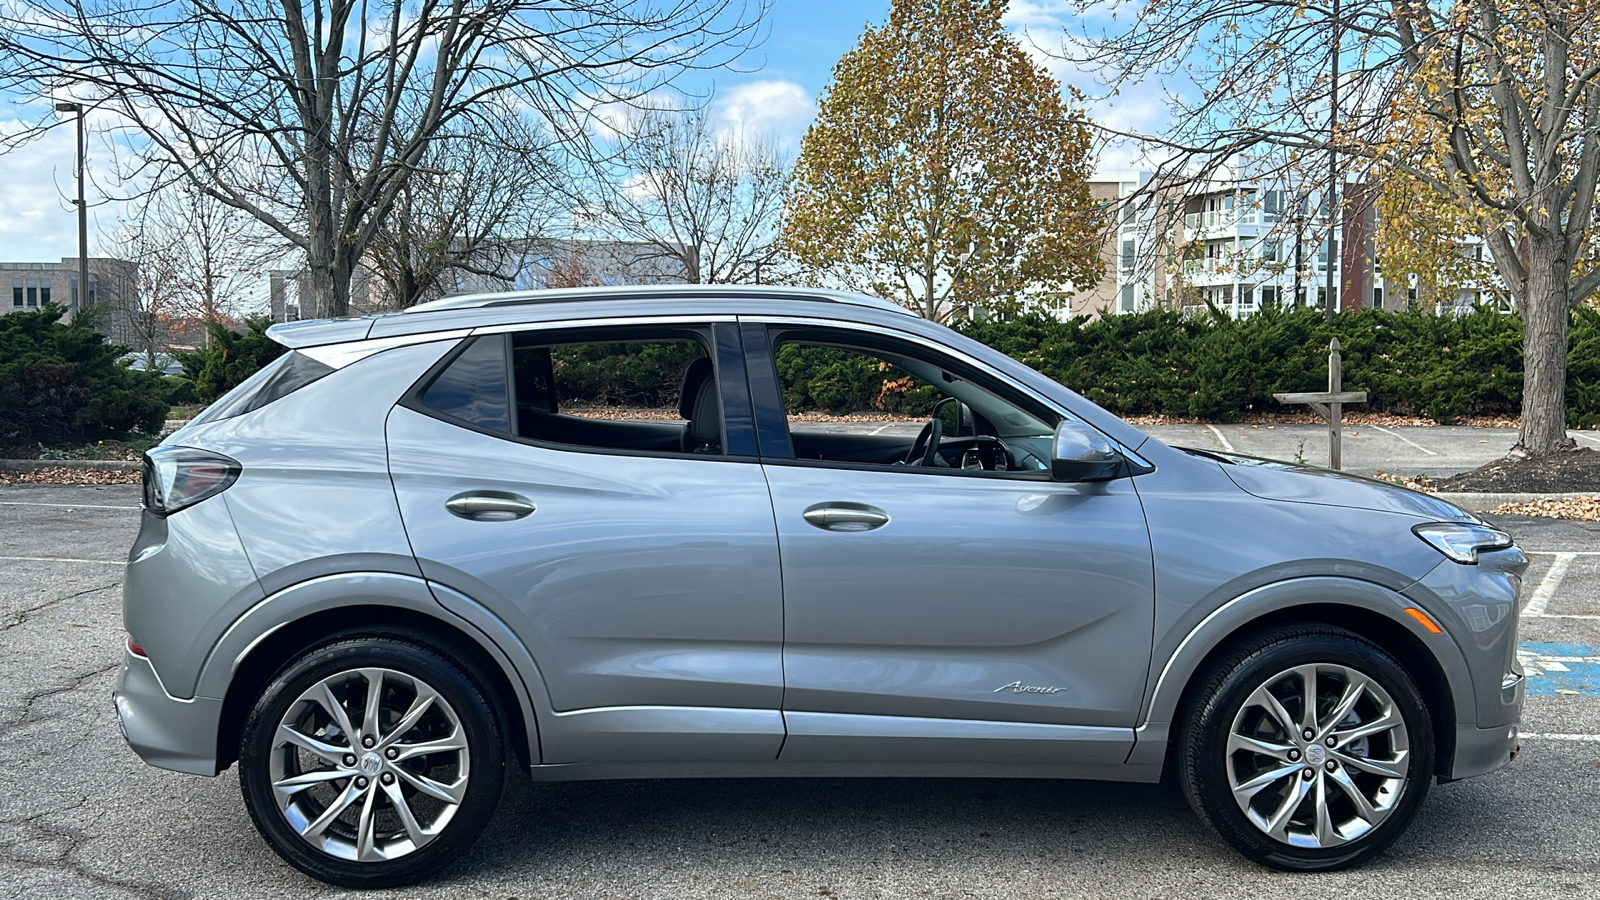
(604, 534)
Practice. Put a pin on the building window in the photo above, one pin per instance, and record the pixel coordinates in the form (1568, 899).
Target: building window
(44, 291)
(33, 292)
(1247, 295)
(16, 293)
(1269, 295)
(74, 288)
(1127, 255)
(1126, 304)
(1377, 297)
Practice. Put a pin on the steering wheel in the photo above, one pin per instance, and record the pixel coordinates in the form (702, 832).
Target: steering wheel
(926, 448)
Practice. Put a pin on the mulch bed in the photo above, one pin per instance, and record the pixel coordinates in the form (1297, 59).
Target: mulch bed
(1568, 472)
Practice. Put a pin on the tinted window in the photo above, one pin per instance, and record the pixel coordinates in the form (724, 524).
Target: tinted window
(278, 379)
(616, 395)
(473, 387)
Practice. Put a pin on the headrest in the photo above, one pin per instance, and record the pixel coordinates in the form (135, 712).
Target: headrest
(694, 376)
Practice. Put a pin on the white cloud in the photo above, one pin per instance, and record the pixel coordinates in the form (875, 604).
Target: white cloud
(37, 186)
(1036, 13)
(782, 109)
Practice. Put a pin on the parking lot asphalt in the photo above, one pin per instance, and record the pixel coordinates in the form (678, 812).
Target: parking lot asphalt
(82, 817)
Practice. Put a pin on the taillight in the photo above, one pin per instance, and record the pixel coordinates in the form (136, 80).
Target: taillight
(135, 649)
(179, 477)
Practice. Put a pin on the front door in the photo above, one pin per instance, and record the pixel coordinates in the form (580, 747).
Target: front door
(959, 600)
(589, 489)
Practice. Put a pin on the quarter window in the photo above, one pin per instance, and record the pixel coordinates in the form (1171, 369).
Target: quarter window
(473, 387)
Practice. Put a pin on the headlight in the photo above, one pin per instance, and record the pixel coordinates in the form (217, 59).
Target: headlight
(1462, 542)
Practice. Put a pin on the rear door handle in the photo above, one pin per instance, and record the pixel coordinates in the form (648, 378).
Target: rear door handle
(846, 516)
(489, 506)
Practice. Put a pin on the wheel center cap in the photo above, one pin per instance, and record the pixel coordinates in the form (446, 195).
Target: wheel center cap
(1314, 755)
(371, 763)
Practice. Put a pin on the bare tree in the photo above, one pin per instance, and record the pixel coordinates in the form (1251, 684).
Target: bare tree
(145, 315)
(711, 203)
(313, 116)
(476, 205)
(1491, 104)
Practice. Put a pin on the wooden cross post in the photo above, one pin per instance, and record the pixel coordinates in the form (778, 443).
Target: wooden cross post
(1329, 405)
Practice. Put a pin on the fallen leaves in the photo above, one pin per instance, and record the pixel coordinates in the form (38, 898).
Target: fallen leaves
(1584, 508)
(65, 475)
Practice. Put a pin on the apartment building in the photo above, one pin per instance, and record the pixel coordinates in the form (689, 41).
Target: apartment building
(1241, 240)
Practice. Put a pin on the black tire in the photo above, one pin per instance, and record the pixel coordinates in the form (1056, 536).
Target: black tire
(1209, 772)
(409, 666)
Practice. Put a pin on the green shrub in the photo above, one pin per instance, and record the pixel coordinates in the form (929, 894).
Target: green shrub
(61, 384)
(232, 357)
(1213, 367)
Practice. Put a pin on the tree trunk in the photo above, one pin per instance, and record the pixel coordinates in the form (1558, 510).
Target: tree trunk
(1545, 314)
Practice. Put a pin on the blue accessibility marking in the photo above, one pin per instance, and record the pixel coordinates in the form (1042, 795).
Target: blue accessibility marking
(1560, 669)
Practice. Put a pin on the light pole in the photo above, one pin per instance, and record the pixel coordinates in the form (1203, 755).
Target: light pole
(83, 215)
(1333, 167)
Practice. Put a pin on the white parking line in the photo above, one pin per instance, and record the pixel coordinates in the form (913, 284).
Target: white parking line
(1548, 585)
(64, 505)
(1396, 434)
(1582, 738)
(103, 562)
(1226, 445)
(1562, 552)
(878, 430)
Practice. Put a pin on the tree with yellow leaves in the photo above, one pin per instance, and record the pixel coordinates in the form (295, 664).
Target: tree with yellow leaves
(944, 170)
(1489, 109)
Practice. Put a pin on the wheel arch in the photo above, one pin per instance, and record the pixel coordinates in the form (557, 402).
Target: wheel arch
(1369, 610)
(312, 613)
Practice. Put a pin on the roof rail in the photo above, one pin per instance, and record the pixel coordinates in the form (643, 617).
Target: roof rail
(652, 291)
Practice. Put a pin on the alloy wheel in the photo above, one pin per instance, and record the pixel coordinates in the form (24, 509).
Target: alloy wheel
(369, 764)
(1317, 756)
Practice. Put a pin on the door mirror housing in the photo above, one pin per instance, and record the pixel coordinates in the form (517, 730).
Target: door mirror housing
(1079, 453)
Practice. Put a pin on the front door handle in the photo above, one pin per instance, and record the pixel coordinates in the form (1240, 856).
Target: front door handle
(846, 516)
(489, 506)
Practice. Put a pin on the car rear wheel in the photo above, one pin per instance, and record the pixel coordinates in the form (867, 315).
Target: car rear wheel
(371, 761)
(1311, 749)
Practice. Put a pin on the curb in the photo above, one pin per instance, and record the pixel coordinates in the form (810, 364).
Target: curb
(91, 465)
(1486, 502)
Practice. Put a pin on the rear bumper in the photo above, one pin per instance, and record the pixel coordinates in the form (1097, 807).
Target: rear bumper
(167, 732)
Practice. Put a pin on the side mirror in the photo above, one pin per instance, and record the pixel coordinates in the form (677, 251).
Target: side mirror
(1082, 454)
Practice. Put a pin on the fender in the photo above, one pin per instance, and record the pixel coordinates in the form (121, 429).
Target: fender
(408, 592)
(1153, 733)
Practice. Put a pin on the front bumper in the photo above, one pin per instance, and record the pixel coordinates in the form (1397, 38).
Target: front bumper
(1483, 750)
(167, 732)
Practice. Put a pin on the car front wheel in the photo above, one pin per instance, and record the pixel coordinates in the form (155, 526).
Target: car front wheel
(371, 761)
(1311, 749)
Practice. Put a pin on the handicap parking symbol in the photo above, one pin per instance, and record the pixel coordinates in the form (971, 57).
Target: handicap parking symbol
(1560, 669)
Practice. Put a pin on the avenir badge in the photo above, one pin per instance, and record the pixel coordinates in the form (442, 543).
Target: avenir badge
(1017, 687)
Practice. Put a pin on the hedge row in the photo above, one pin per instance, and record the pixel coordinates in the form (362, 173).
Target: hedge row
(1216, 368)
(62, 384)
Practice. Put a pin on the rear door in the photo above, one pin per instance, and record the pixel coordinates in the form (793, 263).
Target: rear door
(964, 611)
(551, 477)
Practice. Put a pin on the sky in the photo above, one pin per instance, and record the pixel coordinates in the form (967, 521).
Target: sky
(773, 88)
